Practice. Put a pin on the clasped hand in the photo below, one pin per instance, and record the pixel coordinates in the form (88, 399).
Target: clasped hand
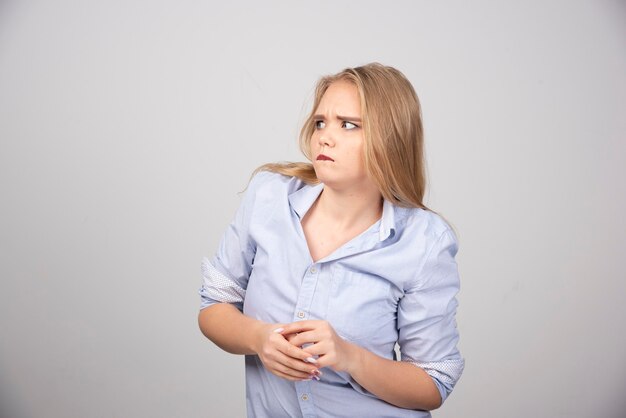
(297, 351)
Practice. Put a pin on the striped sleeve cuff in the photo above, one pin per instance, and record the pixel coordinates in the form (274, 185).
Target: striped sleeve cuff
(444, 373)
(218, 288)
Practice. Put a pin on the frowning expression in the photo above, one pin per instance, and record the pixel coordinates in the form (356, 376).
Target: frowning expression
(337, 141)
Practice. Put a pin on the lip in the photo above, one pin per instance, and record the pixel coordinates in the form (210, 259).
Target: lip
(323, 157)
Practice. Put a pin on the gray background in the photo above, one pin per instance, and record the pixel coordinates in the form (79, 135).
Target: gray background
(128, 127)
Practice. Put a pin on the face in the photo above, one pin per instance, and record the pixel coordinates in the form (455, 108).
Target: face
(337, 142)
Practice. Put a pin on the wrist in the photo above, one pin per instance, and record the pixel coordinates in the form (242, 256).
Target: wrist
(257, 332)
(354, 358)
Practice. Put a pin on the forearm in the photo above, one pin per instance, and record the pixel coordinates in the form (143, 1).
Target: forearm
(399, 383)
(229, 328)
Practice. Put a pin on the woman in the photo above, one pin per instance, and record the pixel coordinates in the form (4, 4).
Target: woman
(328, 265)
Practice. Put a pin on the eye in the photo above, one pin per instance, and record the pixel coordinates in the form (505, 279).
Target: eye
(349, 125)
(319, 124)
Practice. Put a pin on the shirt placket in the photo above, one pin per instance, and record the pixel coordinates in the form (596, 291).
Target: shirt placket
(302, 312)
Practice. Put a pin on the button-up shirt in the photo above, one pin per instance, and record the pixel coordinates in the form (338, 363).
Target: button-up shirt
(395, 283)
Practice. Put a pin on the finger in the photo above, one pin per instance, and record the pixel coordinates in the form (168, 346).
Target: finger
(289, 377)
(292, 374)
(305, 338)
(325, 353)
(288, 337)
(294, 351)
(292, 367)
(285, 373)
(288, 354)
(317, 349)
(326, 360)
(299, 365)
(300, 326)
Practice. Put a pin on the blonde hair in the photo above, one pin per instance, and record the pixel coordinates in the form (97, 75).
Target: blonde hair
(393, 134)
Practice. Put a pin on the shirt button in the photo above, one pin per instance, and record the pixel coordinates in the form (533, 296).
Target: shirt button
(313, 270)
(300, 314)
(305, 397)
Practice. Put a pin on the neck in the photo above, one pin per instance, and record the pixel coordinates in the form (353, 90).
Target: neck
(349, 209)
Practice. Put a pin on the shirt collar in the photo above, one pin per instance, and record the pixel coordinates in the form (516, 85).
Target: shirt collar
(388, 220)
(301, 201)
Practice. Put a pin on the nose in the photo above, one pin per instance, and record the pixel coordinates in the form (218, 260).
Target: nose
(325, 140)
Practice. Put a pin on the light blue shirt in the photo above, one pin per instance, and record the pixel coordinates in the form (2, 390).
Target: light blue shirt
(394, 283)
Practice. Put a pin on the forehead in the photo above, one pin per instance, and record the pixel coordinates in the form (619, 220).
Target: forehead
(341, 97)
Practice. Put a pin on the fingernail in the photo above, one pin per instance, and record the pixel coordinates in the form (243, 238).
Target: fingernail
(315, 377)
(279, 330)
(311, 360)
(317, 372)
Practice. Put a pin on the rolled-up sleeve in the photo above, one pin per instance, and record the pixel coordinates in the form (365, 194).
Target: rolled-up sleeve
(428, 335)
(225, 277)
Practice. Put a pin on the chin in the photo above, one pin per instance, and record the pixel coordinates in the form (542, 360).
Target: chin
(323, 177)
(323, 173)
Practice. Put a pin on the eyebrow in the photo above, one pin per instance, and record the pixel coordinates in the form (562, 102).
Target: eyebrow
(348, 118)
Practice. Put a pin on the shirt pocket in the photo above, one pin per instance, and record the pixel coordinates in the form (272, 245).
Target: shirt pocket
(360, 305)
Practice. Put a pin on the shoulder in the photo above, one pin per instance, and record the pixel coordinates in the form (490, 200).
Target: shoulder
(269, 187)
(432, 244)
(424, 223)
(267, 181)
(426, 233)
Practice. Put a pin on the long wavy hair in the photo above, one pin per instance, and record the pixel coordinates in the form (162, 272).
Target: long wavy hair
(393, 134)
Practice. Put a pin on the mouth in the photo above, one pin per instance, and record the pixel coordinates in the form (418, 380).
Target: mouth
(323, 157)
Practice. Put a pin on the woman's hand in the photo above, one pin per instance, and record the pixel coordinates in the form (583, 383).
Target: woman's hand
(283, 358)
(333, 351)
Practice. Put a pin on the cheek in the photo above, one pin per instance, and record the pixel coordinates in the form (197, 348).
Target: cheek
(357, 160)
(358, 154)
(313, 144)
